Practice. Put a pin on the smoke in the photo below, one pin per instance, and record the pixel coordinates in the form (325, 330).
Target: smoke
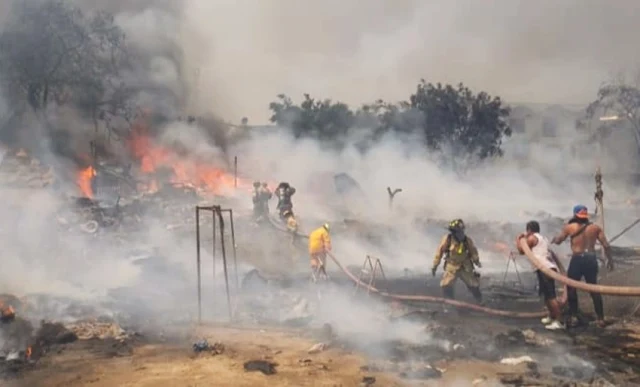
(538, 52)
(232, 58)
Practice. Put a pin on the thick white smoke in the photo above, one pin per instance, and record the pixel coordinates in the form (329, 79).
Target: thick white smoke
(541, 51)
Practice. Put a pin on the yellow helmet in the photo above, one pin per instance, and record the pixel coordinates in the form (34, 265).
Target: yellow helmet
(326, 226)
(456, 224)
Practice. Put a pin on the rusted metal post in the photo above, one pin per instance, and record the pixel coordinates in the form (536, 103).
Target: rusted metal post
(198, 262)
(213, 249)
(235, 255)
(384, 277)
(235, 171)
(218, 211)
(599, 195)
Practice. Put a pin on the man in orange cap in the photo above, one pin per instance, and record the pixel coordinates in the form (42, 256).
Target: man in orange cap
(583, 236)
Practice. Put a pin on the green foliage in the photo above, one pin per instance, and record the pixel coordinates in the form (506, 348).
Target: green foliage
(321, 119)
(441, 116)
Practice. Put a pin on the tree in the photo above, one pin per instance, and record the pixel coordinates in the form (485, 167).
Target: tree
(52, 53)
(441, 116)
(321, 119)
(618, 101)
(468, 123)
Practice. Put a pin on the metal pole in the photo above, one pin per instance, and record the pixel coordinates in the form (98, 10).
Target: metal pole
(235, 256)
(198, 261)
(235, 171)
(218, 210)
(213, 252)
(599, 196)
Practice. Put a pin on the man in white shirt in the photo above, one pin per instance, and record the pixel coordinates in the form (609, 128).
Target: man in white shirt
(547, 288)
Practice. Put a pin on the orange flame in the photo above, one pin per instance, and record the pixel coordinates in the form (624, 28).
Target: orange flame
(28, 352)
(84, 181)
(185, 172)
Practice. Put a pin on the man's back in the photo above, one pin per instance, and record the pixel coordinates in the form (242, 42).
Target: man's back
(584, 240)
(319, 240)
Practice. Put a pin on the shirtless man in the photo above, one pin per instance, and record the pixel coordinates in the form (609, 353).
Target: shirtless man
(583, 235)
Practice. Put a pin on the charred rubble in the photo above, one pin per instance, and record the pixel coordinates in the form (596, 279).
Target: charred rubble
(21, 345)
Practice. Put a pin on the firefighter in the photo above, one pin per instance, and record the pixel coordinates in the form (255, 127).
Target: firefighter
(319, 246)
(284, 193)
(460, 256)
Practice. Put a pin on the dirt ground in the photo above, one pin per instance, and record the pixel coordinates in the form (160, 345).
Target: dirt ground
(100, 363)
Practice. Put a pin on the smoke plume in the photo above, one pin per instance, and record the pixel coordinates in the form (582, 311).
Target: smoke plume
(230, 59)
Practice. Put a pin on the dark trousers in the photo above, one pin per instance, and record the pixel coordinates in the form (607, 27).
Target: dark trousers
(584, 265)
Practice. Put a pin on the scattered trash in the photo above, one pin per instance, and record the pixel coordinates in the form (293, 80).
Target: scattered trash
(512, 379)
(367, 381)
(317, 348)
(532, 338)
(86, 330)
(458, 347)
(263, 366)
(516, 360)
(203, 345)
(479, 381)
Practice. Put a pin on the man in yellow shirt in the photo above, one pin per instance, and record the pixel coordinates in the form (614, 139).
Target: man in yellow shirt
(319, 246)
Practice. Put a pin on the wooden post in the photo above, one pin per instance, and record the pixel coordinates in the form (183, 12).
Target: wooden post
(392, 194)
(598, 197)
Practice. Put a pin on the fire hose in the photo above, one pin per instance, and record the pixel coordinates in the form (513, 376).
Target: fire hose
(407, 297)
(591, 288)
(628, 291)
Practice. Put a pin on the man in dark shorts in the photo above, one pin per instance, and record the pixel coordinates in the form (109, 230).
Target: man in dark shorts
(540, 248)
(584, 235)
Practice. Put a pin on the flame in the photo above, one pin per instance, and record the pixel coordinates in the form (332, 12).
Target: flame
(27, 353)
(190, 173)
(84, 181)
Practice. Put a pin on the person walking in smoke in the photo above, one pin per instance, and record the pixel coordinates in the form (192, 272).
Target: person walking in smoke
(261, 197)
(266, 196)
(284, 193)
(257, 202)
(547, 288)
(319, 246)
(583, 236)
(461, 255)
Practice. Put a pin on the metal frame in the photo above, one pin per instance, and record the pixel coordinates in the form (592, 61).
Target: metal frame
(512, 258)
(216, 212)
(375, 268)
